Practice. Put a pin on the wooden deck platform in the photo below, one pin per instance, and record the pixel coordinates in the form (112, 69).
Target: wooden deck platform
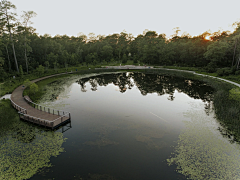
(35, 113)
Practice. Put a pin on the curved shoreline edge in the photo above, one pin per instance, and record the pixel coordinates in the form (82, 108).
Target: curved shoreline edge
(8, 96)
(193, 72)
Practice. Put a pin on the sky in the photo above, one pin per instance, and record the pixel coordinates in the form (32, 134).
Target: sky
(104, 17)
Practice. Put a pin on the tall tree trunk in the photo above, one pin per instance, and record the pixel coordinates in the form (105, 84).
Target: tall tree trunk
(9, 29)
(234, 51)
(9, 63)
(238, 62)
(25, 52)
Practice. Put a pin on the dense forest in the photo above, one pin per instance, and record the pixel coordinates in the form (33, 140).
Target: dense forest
(23, 50)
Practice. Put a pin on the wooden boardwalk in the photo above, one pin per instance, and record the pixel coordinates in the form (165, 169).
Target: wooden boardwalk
(35, 113)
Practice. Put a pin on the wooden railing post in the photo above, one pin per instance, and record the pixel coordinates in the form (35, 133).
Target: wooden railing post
(58, 112)
(53, 111)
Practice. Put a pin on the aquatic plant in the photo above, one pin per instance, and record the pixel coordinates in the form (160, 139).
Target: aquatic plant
(202, 154)
(24, 148)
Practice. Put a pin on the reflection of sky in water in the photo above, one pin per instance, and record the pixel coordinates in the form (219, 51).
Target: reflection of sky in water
(131, 104)
(126, 135)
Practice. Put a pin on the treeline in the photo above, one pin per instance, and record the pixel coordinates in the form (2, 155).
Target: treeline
(22, 49)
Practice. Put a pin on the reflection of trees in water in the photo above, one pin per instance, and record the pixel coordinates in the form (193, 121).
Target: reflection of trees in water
(151, 83)
(167, 84)
(25, 148)
(121, 80)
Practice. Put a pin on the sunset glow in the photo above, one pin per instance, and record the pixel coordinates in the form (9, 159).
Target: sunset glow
(207, 37)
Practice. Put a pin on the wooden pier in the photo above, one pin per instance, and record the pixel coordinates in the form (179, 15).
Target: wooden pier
(36, 113)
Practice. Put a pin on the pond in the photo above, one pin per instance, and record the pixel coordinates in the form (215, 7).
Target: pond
(127, 125)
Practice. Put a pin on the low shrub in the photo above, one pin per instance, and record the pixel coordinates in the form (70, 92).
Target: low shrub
(237, 72)
(220, 72)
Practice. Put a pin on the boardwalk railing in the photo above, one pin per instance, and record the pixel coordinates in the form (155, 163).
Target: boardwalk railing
(63, 115)
(48, 110)
(43, 122)
(20, 109)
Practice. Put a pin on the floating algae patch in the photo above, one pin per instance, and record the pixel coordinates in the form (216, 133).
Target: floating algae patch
(25, 149)
(202, 153)
(23, 160)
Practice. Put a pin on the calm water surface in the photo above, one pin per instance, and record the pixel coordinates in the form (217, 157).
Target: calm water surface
(124, 126)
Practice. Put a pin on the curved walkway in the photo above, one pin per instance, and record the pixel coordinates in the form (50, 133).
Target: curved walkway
(150, 67)
(231, 82)
(42, 116)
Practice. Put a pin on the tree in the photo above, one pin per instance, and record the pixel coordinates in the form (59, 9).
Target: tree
(216, 52)
(40, 69)
(236, 39)
(21, 71)
(52, 59)
(26, 20)
(107, 52)
(124, 59)
(8, 19)
(33, 88)
(46, 63)
(27, 83)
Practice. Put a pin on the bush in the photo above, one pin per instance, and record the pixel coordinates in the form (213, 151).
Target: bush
(220, 72)
(225, 71)
(27, 83)
(33, 88)
(237, 72)
(211, 67)
(234, 94)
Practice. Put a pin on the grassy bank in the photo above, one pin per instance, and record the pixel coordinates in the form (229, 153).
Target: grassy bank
(234, 78)
(42, 85)
(10, 84)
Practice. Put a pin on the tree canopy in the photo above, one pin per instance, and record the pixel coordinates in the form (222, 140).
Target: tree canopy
(21, 45)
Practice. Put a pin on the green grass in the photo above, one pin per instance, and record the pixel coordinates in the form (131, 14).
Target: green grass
(10, 84)
(234, 78)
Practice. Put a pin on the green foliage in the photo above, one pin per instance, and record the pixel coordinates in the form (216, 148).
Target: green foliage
(211, 67)
(40, 69)
(27, 83)
(33, 88)
(46, 63)
(237, 72)
(225, 71)
(107, 52)
(235, 94)
(124, 59)
(21, 71)
(135, 60)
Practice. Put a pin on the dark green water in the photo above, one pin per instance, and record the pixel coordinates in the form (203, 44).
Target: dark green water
(124, 126)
